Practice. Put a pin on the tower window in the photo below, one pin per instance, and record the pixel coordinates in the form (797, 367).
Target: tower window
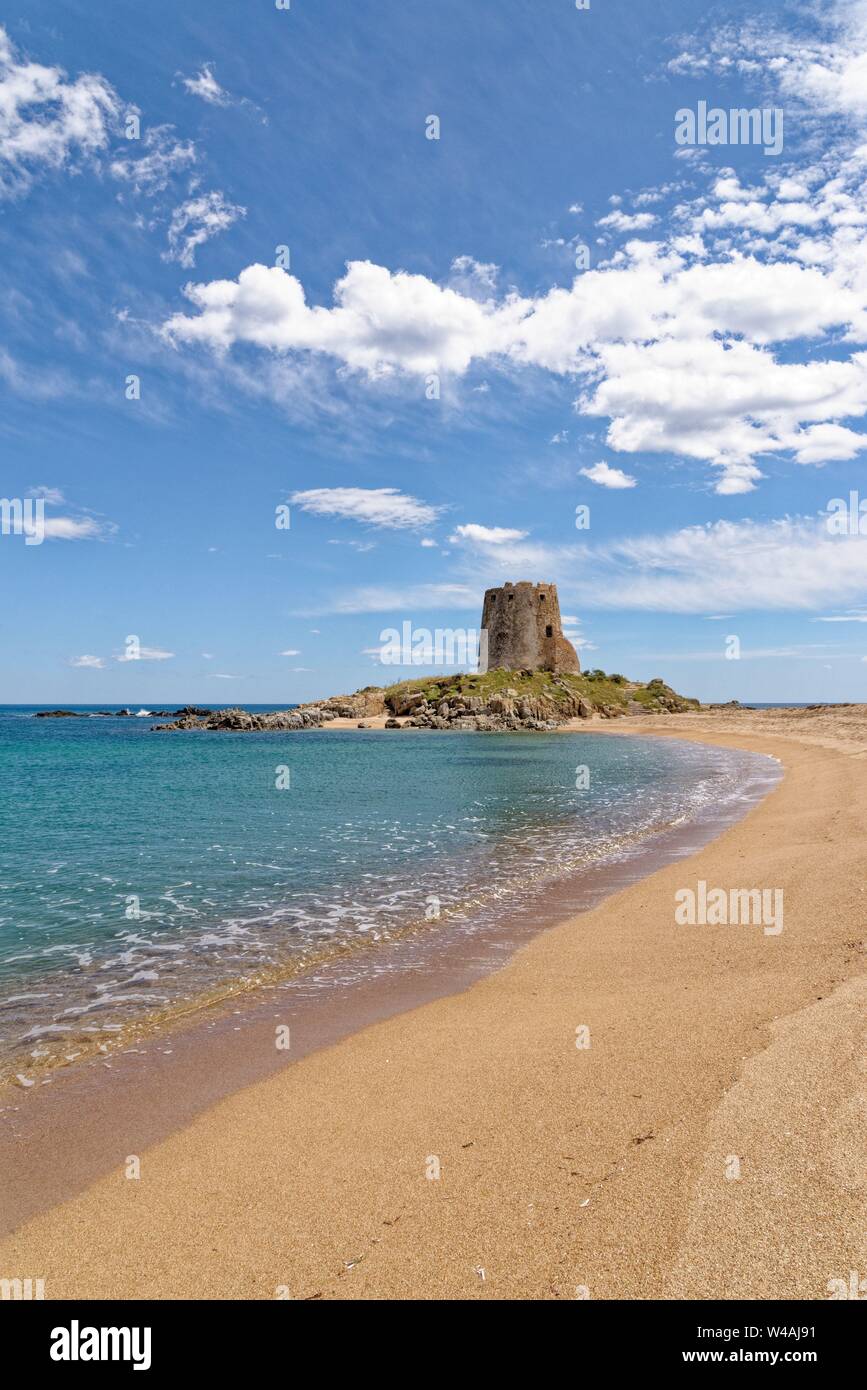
(511, 596)
(541, 598)
(549, 631)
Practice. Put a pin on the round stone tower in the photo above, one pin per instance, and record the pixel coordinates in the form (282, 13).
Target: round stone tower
(524, 630)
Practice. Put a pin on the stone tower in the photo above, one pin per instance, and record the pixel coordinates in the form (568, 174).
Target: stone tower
(524, 630)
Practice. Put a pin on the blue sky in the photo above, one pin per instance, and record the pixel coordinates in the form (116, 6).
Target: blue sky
(427, 379)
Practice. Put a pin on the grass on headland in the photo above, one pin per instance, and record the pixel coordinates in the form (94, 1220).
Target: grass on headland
(595, 686)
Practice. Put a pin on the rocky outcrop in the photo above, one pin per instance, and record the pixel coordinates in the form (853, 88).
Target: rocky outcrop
(483, 704)
(236, 720)
(364, 704)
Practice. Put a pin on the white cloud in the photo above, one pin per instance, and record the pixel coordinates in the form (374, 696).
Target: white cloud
(427, 543)
(48, 494)
(737, 335)
(487, 535)
(387, 507)
(732, 566)
(476, 279)
(381, 322)
(606, 476)
(48, 120)
(206, 86)
(679, 353)
(290, 652)
(196, 221)
(151, 172)
(627, 221)
(400, 600)
(72, 528)
(725, 567)
(144, 654)
(95, 663)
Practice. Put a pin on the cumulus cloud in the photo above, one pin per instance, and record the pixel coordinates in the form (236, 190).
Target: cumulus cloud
(737, 335)
(825, 74)
(381, 322)
(618, 221)
(47, 119)
(606, 476)
(487, 535)
(196, 221)
(477, 279)
(95, 663)
(680, 351)
(386, 507)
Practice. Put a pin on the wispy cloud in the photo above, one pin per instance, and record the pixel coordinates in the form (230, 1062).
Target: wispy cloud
(790, 564)
(385, 507)
(144, 654)
(165, 156)
(206, 86)
(403, 600)
(197, 221)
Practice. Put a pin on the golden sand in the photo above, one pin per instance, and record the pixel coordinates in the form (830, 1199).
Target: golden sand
(708, 1143)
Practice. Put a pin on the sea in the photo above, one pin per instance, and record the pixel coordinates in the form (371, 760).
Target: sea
(143, 873)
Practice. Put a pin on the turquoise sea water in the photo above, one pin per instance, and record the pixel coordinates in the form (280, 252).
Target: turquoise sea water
(139, 870)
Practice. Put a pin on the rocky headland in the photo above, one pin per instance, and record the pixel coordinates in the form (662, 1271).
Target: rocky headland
(498, 701)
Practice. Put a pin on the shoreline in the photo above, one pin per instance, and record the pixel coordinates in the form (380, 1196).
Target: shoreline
(328, 999)
(41, 1058)
(434, 1092)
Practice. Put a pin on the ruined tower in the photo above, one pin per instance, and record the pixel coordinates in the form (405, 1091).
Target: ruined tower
(524, 629)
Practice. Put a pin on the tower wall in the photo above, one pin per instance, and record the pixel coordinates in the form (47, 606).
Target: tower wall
(525, 630)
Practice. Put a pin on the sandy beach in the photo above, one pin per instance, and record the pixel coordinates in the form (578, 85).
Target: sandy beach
(708, 1143)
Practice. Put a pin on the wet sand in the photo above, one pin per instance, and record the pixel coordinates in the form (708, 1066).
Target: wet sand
(561, 1169)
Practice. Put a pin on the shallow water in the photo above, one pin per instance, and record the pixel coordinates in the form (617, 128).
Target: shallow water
(142, 870)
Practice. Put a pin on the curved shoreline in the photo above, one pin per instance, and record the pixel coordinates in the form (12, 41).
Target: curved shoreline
(311, 1163)
(350, 987)
(513, 879)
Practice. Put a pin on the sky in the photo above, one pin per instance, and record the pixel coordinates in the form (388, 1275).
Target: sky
(319, 320)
